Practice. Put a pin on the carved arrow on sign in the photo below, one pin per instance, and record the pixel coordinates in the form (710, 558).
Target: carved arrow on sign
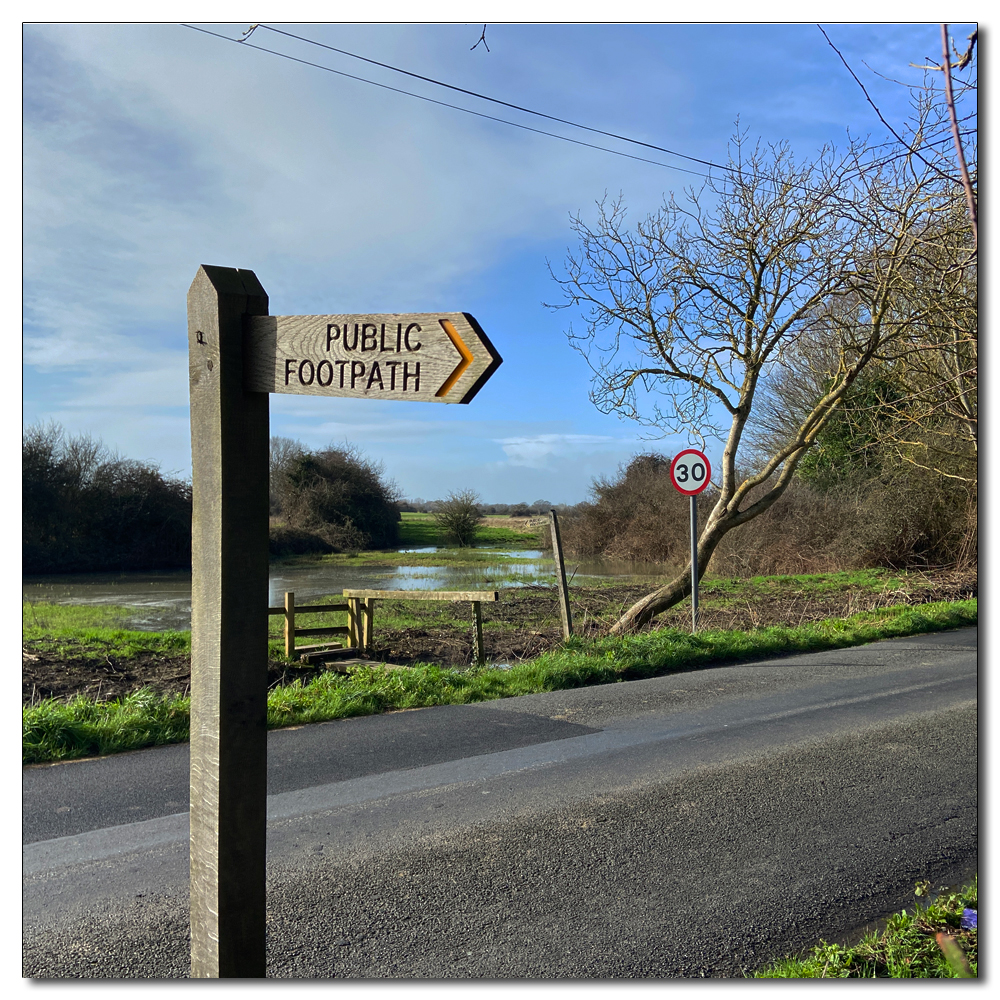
(429, 357)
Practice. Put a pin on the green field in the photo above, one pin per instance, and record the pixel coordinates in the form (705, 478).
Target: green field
(421, 529)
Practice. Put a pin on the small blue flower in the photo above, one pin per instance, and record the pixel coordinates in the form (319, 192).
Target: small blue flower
(970, 920)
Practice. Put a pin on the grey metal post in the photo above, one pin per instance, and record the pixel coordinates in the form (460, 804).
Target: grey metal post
(229, 451)
(557, 553)
(694, 564)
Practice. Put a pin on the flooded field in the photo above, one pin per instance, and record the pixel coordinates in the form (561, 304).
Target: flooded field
(163, 600)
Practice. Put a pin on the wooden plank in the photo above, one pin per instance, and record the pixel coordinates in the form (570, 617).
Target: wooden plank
(424, 595)
(324, 647)
(324, 630)
(310, 609)
(229, 458)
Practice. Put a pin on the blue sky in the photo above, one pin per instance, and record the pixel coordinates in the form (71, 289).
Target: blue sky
(152, 148)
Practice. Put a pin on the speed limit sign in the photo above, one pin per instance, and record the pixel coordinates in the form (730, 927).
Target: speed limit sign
(690, 472)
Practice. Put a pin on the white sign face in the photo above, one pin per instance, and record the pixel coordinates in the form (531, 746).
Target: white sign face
(420, 357)
(690, 472)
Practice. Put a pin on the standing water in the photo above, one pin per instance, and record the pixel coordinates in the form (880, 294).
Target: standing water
(158, 601)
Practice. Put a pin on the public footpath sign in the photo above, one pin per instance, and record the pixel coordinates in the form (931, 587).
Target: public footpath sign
(690, 472)
(237, 356)
(430, 357)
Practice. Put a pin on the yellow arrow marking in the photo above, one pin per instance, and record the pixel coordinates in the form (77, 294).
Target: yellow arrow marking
(462, 349)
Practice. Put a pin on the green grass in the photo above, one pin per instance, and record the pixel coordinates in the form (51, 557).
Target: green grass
(815, 583)
(55, 731)
(419, 529)
(83, 728)
(906, 949)
(94, 632)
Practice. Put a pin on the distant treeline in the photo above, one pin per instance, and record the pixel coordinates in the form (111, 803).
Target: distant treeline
(895, 516)
(86, 508)
(536, 509)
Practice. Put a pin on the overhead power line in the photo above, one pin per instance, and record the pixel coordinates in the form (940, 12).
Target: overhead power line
(244, 41)
(445, 104)
(495, 100)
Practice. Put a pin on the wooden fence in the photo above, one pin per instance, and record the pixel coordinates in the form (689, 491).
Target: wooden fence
(360, 608)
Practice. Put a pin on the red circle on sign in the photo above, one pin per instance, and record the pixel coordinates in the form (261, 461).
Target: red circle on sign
(690, 471)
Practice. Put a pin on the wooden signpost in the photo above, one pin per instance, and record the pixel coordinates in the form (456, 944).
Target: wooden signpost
(237, 356)
(690, 473)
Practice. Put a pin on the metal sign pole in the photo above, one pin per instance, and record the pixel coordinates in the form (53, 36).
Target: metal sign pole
(229, 471)
(694, 564)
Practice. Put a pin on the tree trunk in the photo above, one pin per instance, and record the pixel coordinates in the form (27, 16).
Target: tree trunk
(674, 592)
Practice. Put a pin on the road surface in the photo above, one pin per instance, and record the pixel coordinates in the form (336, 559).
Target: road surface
(693, 825)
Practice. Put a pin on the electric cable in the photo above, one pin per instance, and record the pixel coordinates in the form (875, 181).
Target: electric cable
(244, 41)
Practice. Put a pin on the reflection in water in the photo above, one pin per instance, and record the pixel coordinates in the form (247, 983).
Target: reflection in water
(160, 601)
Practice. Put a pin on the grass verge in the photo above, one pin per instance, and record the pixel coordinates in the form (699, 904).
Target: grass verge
(928, 943)
(81, 728)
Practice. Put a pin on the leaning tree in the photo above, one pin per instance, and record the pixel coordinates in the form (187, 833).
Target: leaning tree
(690, 314)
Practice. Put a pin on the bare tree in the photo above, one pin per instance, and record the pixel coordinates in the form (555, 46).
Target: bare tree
(934, 409)
(281, 457)
(692, 312)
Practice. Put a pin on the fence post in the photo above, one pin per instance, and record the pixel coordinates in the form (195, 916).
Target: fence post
(557, 552)
(477, 618)
(289, 624)
(353, 614)
(367, 620)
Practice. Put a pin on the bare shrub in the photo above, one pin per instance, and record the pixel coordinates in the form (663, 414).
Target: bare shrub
(802, 533)
(903, 518)
(636, 515)
(85, 508)
(913, 517)
(459, 516)
(340, 496)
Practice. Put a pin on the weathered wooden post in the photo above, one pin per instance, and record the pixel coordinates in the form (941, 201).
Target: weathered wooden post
(229, 450)
(477, 639)
(367, 623)
(354, 622)
(237, 355)
(290, 624)
(557, 553)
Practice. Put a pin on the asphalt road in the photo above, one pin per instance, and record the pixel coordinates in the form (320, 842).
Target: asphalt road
(691, 825)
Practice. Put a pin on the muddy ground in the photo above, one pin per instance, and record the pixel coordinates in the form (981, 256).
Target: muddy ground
(529, 624)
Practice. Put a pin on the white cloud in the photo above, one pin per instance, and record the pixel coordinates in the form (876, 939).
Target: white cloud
(538, 450)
